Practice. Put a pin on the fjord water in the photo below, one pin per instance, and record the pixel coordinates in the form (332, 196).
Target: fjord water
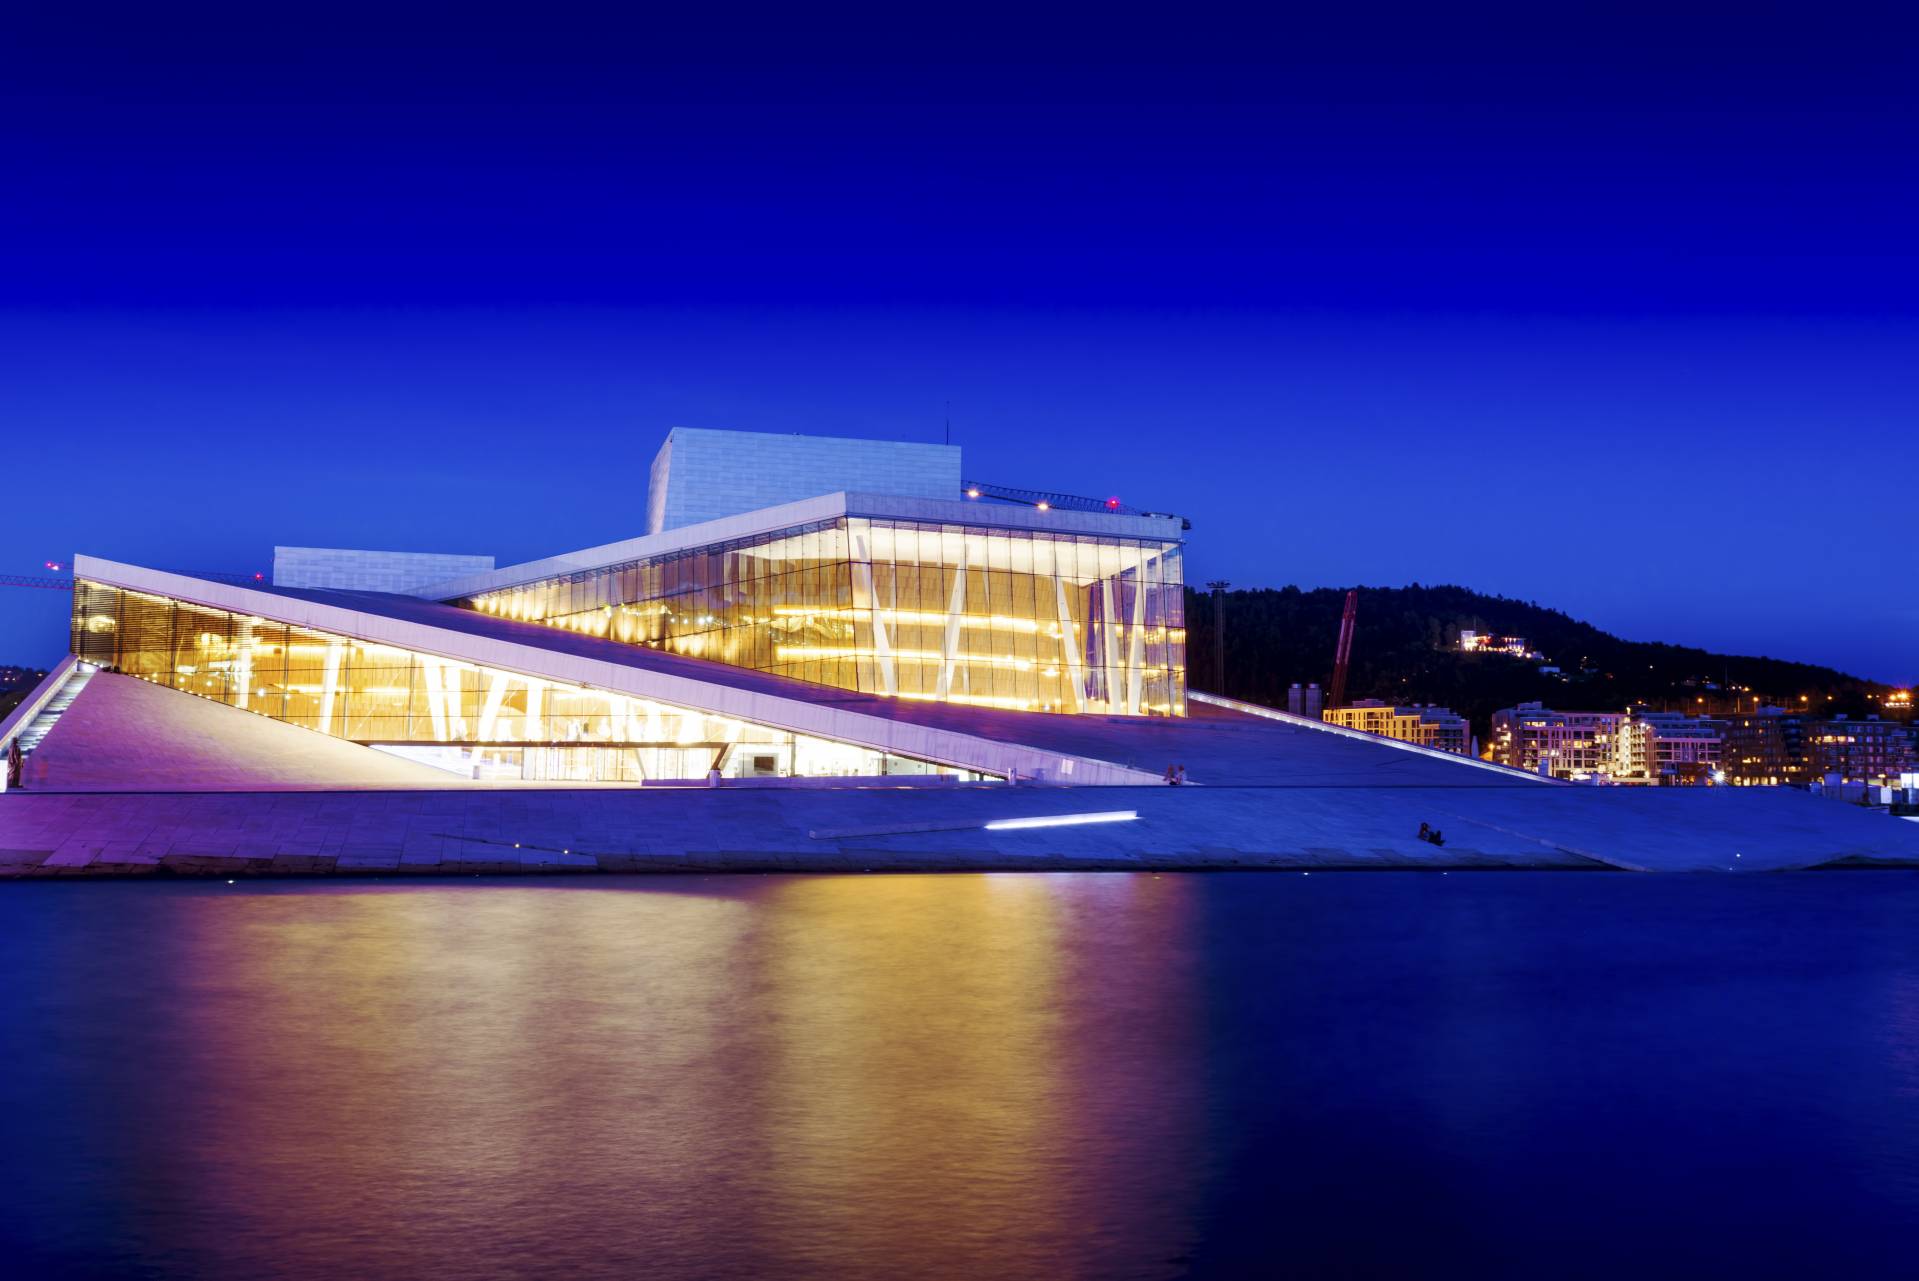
(1502, 1074)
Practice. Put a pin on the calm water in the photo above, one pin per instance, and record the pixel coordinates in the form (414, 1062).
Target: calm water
(1537, 1075)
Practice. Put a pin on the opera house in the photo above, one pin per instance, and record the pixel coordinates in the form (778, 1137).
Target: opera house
(819, 652)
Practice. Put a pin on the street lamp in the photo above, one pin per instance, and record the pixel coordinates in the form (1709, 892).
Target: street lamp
(1218, 588)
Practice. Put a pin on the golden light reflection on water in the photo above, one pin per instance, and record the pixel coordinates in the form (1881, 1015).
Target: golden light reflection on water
(886, 1076)
(920, 1033)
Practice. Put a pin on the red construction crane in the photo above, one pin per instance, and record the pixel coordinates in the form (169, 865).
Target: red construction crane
(1343, 657)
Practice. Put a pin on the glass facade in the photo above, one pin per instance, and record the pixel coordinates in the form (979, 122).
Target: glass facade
(1031, 620)
(476, 721)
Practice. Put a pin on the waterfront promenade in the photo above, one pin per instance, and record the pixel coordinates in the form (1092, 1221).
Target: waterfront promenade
(836, 829)
(142, 781)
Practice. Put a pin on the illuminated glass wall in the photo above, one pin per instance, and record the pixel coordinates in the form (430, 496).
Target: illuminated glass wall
(475, 721)
(957, 613)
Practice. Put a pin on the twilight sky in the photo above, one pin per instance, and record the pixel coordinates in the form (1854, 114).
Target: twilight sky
(1619, 314)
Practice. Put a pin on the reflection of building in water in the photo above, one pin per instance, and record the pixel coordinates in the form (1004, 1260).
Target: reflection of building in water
(963, 1067)
(398, 1078)
(905, 1076)
(935, 1023)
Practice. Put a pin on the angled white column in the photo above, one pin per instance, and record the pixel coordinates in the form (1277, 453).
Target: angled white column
(453, 690)
(1069, 647)
(435, 699)
(490, 710)
(1136, 652)
(1109, 646)
(863, 582)
(534, 730)
(955, 605)
(242, 669)
(330, 684)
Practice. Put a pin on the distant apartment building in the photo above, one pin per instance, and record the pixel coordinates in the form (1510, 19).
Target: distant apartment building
(1637, 746)
(1667, 748)
(1539, 740)
(1771, 747)
(1427, 726)
(1869, 750)
(1471, 642)
(1762, 748)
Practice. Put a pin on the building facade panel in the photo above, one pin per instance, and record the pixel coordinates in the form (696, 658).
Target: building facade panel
(348, 569)
(701, 474)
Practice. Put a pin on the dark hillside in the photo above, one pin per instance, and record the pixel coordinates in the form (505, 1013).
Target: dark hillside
(1405, 648)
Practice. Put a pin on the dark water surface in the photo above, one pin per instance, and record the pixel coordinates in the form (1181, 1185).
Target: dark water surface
(1506, 1074)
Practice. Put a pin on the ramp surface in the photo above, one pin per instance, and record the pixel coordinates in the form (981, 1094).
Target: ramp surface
(123, 734)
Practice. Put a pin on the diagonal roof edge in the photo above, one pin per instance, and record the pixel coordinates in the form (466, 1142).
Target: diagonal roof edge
(1360, 735)
(623, 669)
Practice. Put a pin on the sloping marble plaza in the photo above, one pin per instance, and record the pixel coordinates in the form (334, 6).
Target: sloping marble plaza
(1289, 796)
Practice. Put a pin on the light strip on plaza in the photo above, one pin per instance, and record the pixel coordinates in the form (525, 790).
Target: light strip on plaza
(1062, 820)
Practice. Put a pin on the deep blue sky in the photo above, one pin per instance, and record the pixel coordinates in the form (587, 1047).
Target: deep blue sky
(1611, 311)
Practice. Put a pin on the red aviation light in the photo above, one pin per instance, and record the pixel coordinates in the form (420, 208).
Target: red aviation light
(1112, 504)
